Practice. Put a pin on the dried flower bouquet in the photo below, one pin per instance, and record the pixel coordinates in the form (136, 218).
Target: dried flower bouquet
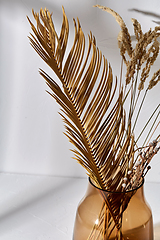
(96, 121)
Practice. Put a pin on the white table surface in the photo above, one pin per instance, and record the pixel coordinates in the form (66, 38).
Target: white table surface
(43, 208)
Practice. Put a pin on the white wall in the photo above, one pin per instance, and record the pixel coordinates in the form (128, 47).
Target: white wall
(31, 138)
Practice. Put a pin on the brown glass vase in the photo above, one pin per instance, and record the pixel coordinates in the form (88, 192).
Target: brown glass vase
(132, 220)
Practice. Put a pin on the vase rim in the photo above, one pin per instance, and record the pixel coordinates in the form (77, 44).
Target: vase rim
(104, 190)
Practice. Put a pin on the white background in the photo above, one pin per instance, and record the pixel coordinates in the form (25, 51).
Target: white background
(31, 131)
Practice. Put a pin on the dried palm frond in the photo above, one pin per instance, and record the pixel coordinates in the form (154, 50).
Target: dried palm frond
(85, 100)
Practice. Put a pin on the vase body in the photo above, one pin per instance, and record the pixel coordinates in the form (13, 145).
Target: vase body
(136, 220)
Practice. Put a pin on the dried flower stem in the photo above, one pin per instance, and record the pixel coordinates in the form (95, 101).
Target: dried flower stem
(152, 128)
(139, 110)
(148, 123)
(152, 133)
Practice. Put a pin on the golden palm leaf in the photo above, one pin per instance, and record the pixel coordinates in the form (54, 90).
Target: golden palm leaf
(94, 117)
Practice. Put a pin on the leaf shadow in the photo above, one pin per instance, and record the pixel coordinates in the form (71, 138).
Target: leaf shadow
(148, 13)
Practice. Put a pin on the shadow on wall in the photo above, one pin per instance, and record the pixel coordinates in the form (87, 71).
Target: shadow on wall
(150, 14)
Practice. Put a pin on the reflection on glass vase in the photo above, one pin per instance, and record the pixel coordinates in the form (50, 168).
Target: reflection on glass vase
(131, 219)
